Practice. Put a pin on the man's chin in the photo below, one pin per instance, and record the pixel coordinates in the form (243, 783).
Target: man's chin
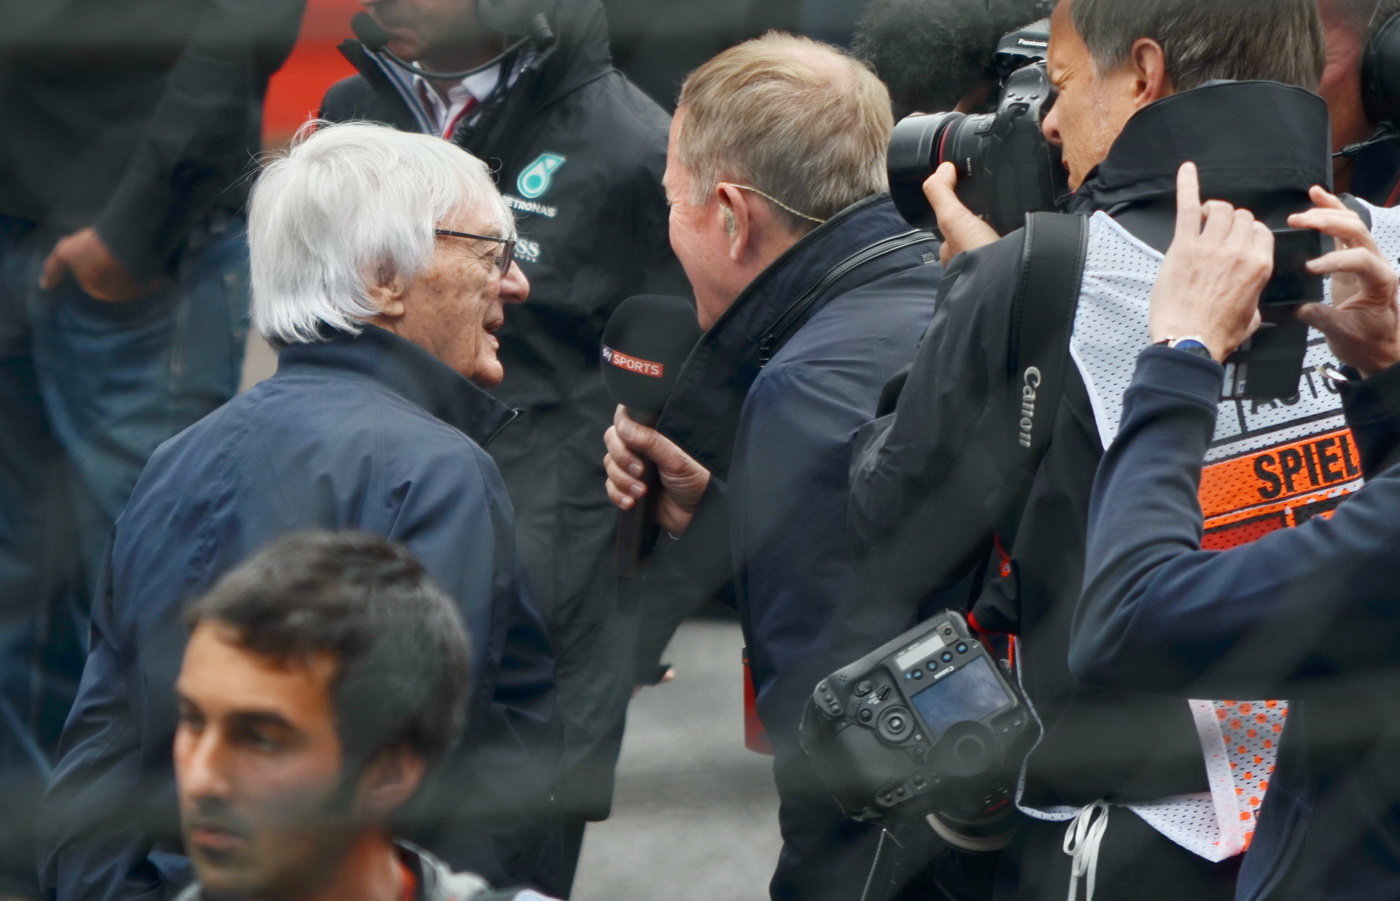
(217, 883)
(488, 377)
(405, 48)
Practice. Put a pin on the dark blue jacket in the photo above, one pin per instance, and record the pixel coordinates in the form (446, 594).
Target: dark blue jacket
(1310, 613)
(769, 401)
(368, 433)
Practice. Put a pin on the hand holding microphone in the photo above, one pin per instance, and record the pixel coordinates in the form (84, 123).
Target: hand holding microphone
(644, 465)
(644, 346)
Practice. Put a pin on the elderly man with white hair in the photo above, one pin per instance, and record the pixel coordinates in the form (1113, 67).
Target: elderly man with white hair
(381, 262)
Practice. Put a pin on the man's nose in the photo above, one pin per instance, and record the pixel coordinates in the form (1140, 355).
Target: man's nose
(1050, 126)
(515, 287)
(202, 767)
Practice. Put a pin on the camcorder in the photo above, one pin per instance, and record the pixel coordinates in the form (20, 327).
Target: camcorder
(928, 725)
(1269, 365)
(1006, 168)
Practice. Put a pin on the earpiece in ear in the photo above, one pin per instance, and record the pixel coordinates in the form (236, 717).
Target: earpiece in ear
(729, 224)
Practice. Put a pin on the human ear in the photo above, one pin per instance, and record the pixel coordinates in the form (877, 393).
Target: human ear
(1147, 62)
(387, 292)
(738, 218)
(390, 780)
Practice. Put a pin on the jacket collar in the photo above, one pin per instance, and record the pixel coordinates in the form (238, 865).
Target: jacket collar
(405, 369)
(702, 411)
(578, 55)
(1257, 144)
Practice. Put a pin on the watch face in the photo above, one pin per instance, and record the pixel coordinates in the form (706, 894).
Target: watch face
(1192, 346)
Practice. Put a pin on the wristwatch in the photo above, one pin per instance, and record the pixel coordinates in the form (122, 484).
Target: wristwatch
(1191, 344)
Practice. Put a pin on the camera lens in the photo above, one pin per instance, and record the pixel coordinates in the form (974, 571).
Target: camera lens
(920, 144)
(912, 158)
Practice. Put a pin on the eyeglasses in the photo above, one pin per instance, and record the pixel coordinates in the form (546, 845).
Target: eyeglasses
(507, 251)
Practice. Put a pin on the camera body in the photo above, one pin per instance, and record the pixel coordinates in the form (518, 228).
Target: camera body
(1270, 363)
(927, 723)
(1006, 168)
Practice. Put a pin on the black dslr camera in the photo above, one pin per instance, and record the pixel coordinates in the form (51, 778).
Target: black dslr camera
(927, 724)
(1005, 166)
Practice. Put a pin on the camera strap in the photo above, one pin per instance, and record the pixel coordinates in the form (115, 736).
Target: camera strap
(1037, 359)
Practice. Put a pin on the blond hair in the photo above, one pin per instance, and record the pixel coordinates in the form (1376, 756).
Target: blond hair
(791, 117)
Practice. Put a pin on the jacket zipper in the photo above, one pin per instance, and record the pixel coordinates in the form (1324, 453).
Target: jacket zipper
(769, 343)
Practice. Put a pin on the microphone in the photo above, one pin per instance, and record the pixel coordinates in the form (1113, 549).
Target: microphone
(368, 31)
(518, 17)
(645, 343)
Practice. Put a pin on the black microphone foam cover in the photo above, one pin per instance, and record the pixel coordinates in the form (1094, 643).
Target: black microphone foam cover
(645, 343)
(515, 17)
(368, 31)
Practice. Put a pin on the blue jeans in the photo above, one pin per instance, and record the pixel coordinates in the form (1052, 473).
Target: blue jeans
(87, 391)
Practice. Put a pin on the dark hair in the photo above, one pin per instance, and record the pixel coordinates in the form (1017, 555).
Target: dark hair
(932, 53)
(1243, 40)
(403, 661)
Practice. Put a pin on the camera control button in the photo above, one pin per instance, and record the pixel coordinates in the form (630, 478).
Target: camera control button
(947, 656)
(895, 725)
(863, 688)
(918, 674)
(962, 647)
(865, 715)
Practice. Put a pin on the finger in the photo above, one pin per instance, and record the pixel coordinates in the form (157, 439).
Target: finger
(942, 184)
(1319, 316)
(1375, 273)
(653, 447)
(1217, 219)
(618, 499)
(1326, 199)
(1188, 202)
(1241, 235)
(623, 480)
(621, 455)
(55, 269)
(1261, 248)
(959, 225)
(1343, 225)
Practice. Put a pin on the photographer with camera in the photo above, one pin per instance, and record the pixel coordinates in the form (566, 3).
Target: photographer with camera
(982, 474)
(1308, 613)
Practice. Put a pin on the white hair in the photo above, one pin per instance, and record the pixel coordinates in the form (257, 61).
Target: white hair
(348, 207)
